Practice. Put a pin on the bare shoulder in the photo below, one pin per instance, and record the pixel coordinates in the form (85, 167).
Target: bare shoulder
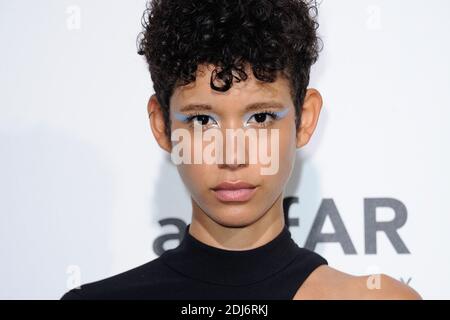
(329, 283)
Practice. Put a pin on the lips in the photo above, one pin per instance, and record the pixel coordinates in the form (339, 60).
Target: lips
(238, 191)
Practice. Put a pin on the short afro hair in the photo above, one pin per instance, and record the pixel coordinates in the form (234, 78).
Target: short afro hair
(270, 35)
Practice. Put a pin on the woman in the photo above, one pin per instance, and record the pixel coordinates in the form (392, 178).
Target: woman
(224, 67)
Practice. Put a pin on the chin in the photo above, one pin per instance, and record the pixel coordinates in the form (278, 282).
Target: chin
(235, 217)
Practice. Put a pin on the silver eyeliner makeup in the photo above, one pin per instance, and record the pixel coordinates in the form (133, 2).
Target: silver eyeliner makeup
(181, 117)
(282, 113)
(278, 115)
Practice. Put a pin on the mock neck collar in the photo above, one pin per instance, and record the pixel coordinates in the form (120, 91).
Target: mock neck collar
(200, 261)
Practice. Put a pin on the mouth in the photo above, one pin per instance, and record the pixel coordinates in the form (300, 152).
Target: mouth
(234, 191)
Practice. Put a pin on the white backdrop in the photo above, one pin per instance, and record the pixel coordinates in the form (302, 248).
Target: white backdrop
(85, 190)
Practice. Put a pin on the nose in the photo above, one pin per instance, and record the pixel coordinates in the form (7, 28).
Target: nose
(235, 149)
(232, 166)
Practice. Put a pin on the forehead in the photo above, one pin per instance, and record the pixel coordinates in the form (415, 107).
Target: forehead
(240, 94)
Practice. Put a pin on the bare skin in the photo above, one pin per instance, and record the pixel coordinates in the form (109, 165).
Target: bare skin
(244, 226)
(331, 284)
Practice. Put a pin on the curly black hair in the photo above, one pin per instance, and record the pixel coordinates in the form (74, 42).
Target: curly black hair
(271, 36)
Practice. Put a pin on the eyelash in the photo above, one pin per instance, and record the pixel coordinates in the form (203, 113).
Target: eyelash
(272, 114)
(190, 118)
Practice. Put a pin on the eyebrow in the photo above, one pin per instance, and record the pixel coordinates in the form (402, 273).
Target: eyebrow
(250, 107)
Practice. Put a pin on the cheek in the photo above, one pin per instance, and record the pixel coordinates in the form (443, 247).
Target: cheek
(286, 149)
(190, 173)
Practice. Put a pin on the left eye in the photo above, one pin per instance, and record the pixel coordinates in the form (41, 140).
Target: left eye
(263, 117)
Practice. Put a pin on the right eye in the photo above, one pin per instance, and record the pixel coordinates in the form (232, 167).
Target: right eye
(201, 119)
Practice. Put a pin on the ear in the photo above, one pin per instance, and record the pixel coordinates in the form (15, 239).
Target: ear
(309, 117)
(157, 124)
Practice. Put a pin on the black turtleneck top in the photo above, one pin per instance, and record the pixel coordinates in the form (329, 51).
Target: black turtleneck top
(195, 270)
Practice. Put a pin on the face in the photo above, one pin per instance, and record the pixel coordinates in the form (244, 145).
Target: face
(267, 110)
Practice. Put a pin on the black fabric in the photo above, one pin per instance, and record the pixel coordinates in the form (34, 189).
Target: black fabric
(195, 270)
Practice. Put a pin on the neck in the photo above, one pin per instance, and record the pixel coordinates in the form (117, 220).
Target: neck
(242, 237)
